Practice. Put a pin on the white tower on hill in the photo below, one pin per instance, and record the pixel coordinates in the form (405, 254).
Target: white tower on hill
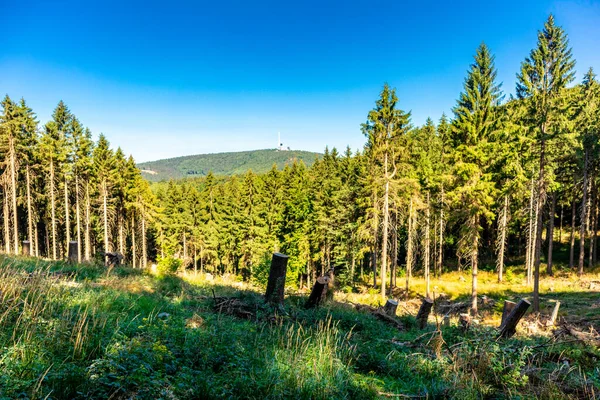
(280, 146)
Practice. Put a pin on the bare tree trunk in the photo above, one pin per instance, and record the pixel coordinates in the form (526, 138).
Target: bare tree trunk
(7, 246)
(592, 224)
(551, 233)
(384, 247)
(441, 244)
(502, 239)
(78, 218)
(33, 241)
(121, 236)
(394, 258)
(53, 209)
(572, 241)
(474, 261)
(409, 250)
(583, 218)
(13, 178)
(88, 240)
(539, 214)
(530, 237)
(133, 249)
(144, 248)
(560, 231)
(595, 235)
(67, 214)
(105, 215)
(427, 250)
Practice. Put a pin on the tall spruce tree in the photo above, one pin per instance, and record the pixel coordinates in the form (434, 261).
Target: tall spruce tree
(474, 125)
(541, 82)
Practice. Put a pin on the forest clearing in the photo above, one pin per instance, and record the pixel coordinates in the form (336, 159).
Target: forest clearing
(81, 331)
(455, 258)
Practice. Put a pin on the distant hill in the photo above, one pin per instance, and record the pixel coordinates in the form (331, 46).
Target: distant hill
(235, 163)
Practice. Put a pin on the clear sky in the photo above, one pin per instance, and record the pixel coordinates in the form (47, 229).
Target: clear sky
(170, 78)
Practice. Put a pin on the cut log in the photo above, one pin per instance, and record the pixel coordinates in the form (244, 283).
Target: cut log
(318, 293)
(508, 307)
(73, 252)
(276, 282)
(390, 308)
(509, 328)
(424, 312)
(554, 316)
(465, 322)
(26, 248)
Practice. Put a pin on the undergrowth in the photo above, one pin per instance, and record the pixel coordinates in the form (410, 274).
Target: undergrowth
(75, 332)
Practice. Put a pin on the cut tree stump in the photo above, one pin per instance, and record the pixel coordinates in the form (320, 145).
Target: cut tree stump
(508, 307)
(73, 252)
(318, 292)
(424, 312)
(465, 322)
(554, 316)
(26, 248)
(276, 282)
(509, 328)
(390, 308)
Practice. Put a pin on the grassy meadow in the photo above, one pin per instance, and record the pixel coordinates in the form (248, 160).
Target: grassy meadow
(81, 331)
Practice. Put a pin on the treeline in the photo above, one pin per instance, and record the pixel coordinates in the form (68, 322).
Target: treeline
(59, 186)
(488, 184)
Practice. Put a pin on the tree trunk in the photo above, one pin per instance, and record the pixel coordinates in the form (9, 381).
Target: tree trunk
(105, 215)
(276, 282)
(394, 257)
(133, 249)
(88, 206)
(53, 209)
(502, 247)
(551, 233)
(424, 312)
(441, 243)
(318, 292)
(13, 178)
(409, 250)
(592, 224)
(121, 235)
(474, 261)
(7, 246)
(595, 234)
(386, 217)
(583, 218)
(572, 241)
(73, 252)
(67, 213)
(530, 237)
(32, 240)
(78, 217)
(539, 214)
(26, 248)
(560, 231)
(427, 249)
(144, 245)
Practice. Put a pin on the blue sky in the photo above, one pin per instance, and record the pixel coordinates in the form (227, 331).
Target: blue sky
(163, 79)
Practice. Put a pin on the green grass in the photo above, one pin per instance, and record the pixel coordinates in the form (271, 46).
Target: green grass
(69, 332)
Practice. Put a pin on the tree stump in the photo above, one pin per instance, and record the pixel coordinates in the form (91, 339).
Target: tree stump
(465, 322)
(73, 252)
(318, 292)
(331, 286)
(424, 311)
(390, 308)
(554, 316)
(276, 282)
(26, 248)
(508, 307)
(508, 329)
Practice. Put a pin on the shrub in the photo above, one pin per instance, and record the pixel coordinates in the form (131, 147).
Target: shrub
(168, 265)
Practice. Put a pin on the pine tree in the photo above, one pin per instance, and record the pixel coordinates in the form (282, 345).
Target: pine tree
(104, 171)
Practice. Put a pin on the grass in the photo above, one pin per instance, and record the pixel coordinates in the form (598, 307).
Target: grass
(73, 332)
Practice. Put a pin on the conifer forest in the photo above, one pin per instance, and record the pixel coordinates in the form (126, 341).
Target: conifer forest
(496, 201)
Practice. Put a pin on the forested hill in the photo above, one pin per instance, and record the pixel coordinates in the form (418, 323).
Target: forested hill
(233, 163)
